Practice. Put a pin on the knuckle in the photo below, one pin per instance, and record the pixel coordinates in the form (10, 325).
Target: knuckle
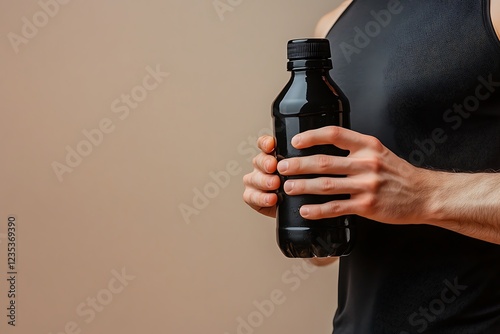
(255, 161)
(348, 164)
(375, 144)
(250, 182)
(264, 182)
(259, 182)
(246, 178)
(374, 164)
(254, 198)
(295, 165)
(246, 196)
(369, 202)
(333, 133)
(373, 185)
(327, 185)
(332, 207)
(323, 162)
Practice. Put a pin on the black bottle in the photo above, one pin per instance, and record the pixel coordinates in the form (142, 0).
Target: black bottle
(310, 100)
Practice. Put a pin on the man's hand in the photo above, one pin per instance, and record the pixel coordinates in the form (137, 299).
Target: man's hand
(383, 187)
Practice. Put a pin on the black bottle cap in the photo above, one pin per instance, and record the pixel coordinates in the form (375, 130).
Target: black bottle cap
(309, 48)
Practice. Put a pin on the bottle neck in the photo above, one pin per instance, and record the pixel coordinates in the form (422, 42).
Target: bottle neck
(309, 64)
(308, 74)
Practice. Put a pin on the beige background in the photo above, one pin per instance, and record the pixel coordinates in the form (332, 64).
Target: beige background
(119, 208)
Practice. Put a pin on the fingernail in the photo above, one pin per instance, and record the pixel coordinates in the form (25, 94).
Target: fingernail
(289, 186)
(283, 166)
(266, 166)
(296, 140)
(304, 212)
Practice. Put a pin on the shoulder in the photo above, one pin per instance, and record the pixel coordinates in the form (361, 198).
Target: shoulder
(495, 15)
(326, 22)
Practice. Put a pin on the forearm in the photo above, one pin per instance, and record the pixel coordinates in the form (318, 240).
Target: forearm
(468, 204)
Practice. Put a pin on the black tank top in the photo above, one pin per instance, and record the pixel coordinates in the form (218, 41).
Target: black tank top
(423, 76)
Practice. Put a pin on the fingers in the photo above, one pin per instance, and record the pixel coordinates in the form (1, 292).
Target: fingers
(316, 164)
(262, 202)
(259, 187)
(258, 199)
(321, 164)
(266, 144)
(331, 209)
(265, 163)
(261, 181)
(343, 138)
(323, 186)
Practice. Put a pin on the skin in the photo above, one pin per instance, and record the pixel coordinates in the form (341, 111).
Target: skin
(383, 187)
(495, 15)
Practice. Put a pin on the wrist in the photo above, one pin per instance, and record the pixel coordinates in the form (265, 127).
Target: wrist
(441, 187)
(430, 185)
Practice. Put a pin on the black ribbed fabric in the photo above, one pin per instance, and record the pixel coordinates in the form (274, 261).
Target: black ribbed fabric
(426, 82)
